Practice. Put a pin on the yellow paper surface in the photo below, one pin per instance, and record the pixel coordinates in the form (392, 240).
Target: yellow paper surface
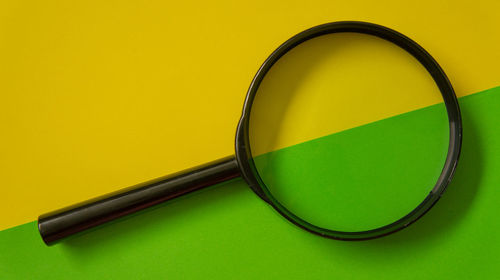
(97, 96)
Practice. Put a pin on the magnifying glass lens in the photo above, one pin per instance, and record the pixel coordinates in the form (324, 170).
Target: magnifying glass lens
(348, 132)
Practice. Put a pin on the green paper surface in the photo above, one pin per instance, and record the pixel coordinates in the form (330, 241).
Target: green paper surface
(226, 232)
(362, 178)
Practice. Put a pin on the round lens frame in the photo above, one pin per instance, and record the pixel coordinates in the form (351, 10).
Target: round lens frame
(244, 154)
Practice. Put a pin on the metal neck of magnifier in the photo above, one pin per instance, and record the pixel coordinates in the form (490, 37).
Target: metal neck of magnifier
(62, 223)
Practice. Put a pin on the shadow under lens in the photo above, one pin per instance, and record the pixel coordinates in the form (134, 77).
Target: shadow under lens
(348, 132)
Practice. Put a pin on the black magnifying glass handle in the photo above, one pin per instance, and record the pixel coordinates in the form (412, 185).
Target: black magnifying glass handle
(62, 223)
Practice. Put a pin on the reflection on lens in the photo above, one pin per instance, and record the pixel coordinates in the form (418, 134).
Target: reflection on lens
(348, 132)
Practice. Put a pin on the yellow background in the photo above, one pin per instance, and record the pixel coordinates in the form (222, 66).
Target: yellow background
(100, 95)
(333, 83)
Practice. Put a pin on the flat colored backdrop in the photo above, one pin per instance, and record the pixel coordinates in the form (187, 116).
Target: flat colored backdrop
(99, 96)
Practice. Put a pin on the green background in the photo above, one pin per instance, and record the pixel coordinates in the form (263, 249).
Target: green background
(226, 232)
(362, 178)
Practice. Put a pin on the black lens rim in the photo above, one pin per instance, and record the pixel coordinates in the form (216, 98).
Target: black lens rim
(249, 170)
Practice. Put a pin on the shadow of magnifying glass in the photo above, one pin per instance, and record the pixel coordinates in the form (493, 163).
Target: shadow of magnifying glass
(427, 233)
(447, 212)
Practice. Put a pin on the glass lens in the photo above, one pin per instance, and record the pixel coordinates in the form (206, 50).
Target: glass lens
(348, 132)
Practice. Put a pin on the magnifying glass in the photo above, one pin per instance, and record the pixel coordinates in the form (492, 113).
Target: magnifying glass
(350, 130)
